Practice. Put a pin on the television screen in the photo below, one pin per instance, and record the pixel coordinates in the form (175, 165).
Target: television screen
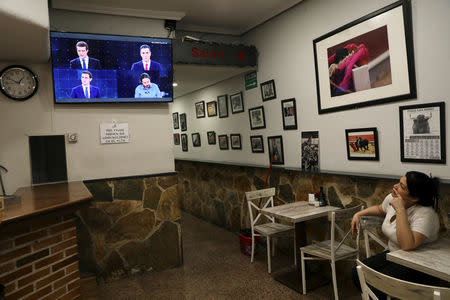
(97, 68)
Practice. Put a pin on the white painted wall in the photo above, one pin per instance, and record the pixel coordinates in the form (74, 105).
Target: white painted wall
(286, 55)
(150, 149)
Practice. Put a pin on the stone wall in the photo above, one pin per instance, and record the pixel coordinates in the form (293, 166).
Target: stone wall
(133, 225)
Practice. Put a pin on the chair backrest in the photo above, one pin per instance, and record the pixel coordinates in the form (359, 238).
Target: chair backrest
(268, 202)
(396, 287)
(366, 224)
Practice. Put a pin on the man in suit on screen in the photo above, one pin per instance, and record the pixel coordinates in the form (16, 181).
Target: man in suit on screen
(83, 61)
(85, 90)
(147, 65)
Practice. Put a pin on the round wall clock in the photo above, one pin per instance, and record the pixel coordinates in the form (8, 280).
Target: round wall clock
(18, 82)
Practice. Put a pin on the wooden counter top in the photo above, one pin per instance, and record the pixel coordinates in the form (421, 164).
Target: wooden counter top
(40, 199)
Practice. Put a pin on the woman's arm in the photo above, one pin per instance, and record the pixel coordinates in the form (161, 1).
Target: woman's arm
(375, 210)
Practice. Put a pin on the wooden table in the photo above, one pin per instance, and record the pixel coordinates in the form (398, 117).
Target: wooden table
(432, 259)
(297, 213)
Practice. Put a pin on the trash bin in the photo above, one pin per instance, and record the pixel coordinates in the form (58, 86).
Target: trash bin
(245, 240)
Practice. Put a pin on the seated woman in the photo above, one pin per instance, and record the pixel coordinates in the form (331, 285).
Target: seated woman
(147, 89)
(410, 221)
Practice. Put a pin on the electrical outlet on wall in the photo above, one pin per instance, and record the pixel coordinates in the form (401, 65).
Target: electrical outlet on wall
(72, 137)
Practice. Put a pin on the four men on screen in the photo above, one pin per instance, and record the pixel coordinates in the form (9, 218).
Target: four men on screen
(85, 90)
(84, 61)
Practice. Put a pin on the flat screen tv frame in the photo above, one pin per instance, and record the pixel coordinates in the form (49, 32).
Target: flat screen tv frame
(120, 51)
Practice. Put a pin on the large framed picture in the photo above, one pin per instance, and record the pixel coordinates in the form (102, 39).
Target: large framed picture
(176, 123)
(257, 143)
(212, 108)
(422, 133)
(236, 102)
(366, 62)
(183, 123)
(223, 142)
(184, 142)
(222, 103)
(268, 91)
(196, 139)
(176, 138)
(257, 118)
(211, 137)
(289, 113)
(235, 141)
(276, 154)
(362, 144)
(200, 109)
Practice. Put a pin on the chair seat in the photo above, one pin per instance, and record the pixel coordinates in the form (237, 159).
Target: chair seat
(269, 229)
(322, 249)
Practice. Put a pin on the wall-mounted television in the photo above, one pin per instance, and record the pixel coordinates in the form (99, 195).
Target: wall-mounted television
(99, 68)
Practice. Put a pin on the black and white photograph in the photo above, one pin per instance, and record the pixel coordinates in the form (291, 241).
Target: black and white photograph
(276, 154)
(176, 138)
(196, 139)
(223, 142)
(176, 123)
(422, 133)
(257, 143)
(310, 151)
(200, 109)
(211, 137)
(235, 141)
(236, 102)
(268, 91)
(289, 113)
(184, 142)
(183, 123)
(222, 103)
(212, 108)
(257, 118)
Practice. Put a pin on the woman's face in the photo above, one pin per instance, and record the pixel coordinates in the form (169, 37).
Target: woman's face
(401, 189)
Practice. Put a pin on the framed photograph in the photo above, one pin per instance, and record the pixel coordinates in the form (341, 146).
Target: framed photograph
(176, 138)
(362, 144)
(366, 62)
(184, 142)
(276, 154)
(257, 118)
(222, 102)
(196, 139)
(235, 141)
(200, 109)
(183, 123)
(289, 113)
(211, 137)
(422, 133)
(176, 123)
(236, 102)
(268, 91)
(223, 142)
(310, 151)
(212, 108)
(257, 143)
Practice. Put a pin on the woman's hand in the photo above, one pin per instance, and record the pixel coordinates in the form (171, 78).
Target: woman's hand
(355, 224)
(398, 203)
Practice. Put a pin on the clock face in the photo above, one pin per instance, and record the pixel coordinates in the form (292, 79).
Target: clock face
(18, 83)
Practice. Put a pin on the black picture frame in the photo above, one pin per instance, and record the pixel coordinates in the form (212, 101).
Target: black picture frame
(223, 142)
(184, 142)
(365, 43)
(362, 144)
(268, 91)
(422, 130)
(211, 137)
(275, 146)
(257, 118)
(200, 109)
(222, 104)
(196, 139)
(236, 103)
(176, 138)
(289, 114)
(175, 121)
(257, 143)
(212, 108)
(183, 122)
(235, 141)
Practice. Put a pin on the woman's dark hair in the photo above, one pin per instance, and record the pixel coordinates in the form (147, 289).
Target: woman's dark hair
(423, 187)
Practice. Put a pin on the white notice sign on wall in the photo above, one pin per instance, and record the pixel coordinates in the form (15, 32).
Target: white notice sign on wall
(114, 133)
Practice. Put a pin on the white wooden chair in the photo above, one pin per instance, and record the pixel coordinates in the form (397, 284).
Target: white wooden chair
(366, 225)
(394, 287)
(268, 230)
(333, 249)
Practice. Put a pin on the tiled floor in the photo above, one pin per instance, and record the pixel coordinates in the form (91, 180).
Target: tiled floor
(213, 268)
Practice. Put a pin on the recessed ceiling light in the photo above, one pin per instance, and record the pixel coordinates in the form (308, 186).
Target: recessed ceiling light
(175, 84)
